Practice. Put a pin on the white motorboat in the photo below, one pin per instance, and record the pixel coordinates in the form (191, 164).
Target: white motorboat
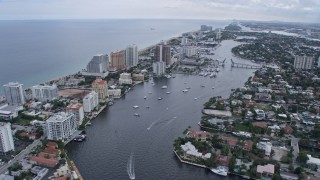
(220, 170)
(168, 92)
(164, 87)
(185, 90)
(136, 114)
(160, 98)
(145, 97)
(135, 106)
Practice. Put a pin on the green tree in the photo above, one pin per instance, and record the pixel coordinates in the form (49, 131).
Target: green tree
(302, 158)
(225, 150)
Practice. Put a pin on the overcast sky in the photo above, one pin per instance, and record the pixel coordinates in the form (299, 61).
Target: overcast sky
(283, 10)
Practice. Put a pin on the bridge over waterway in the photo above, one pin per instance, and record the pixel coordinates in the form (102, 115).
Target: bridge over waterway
(242, 65)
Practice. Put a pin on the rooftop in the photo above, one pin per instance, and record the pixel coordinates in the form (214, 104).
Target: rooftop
(74, 106)
(269, 168)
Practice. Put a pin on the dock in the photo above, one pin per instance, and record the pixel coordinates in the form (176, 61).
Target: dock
(194, 164)
(75, 169)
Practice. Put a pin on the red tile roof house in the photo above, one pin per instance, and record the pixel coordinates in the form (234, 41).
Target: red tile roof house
(247, 145)
(52, 144)
(48, 156)
(53, 151)
(31, 136)
(260, 124)
(232, 141)
(199, 135)
(223, 160)
(288, 130)
(43, 161)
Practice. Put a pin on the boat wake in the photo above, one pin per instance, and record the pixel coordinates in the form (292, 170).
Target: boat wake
(167, 121)
(130, 167)
(153, 123)
(171, 120)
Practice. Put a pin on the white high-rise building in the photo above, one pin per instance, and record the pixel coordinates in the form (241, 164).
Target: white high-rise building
(303, 62)
(77, 110)
(189, 51)
(14, 93)
(45, 92)
(131, 55)
(90, 101)
(6, 138)
(61, 126)
(159, 68)
(98, 64)
(319, 62)
(184, 41)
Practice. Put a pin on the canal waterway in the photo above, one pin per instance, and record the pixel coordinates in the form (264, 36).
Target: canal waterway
(116, 134)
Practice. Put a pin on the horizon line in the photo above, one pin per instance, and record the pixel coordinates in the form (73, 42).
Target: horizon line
(193, 19)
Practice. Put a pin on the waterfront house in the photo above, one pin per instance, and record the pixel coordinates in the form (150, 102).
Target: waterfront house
(223, 160)
(199, 135)
(266, 171)
(190, 152)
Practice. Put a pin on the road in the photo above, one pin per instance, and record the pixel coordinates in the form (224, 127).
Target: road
(295, 146)
(20, 156)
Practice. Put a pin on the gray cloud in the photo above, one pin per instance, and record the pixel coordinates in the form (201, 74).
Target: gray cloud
(285, 10)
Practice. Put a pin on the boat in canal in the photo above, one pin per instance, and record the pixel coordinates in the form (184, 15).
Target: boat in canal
(220, 170)
(185, 90)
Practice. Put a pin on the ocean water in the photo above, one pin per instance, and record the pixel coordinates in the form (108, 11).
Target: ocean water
(36, 51)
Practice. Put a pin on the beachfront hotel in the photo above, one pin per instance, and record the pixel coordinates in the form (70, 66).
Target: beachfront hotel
(14, 93)
(131, 55)
(118, 60)
(98, 64)
(45, 92)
